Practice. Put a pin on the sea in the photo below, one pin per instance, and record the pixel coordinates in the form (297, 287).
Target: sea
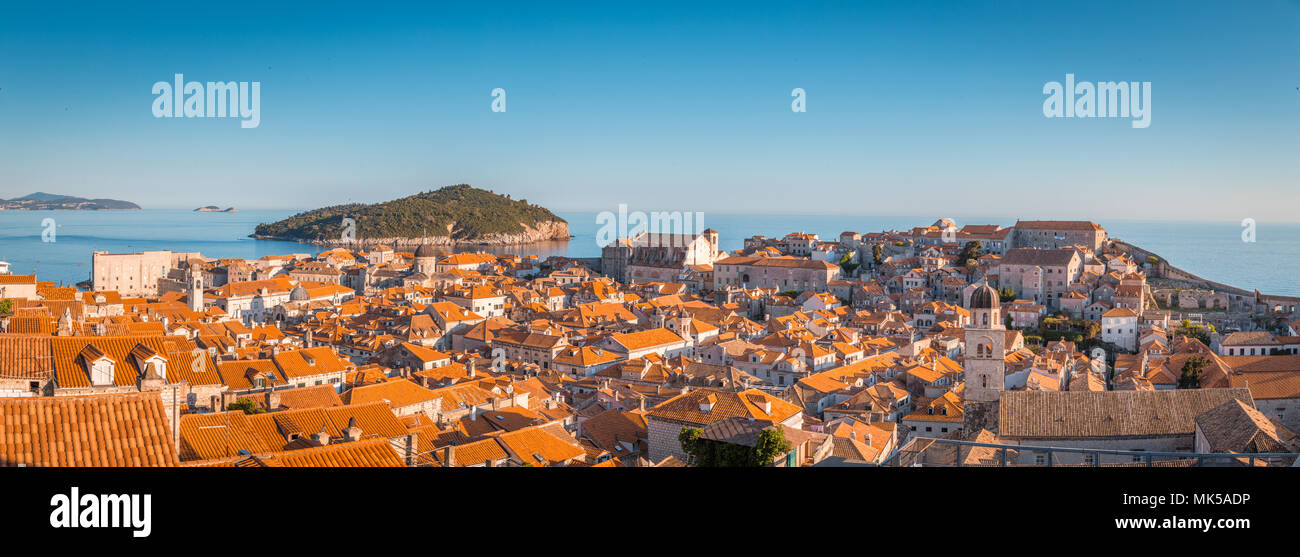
(59, 249)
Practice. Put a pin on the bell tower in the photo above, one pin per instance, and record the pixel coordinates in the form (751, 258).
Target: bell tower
(196, 291)
(985, 355)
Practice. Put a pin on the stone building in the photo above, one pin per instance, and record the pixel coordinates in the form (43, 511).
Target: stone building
(1142, 420)
(782, 273)
(657, 257)
(1040, 275)
(132, 274)
(1052, 234)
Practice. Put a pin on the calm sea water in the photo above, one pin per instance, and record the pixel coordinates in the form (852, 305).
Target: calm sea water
(1213, 250)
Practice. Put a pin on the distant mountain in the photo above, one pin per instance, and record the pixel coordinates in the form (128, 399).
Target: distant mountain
(214, 209)
(42, 196)
(458, 214)
(41, 201)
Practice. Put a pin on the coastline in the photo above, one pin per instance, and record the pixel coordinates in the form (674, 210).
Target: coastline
(440, 241)
(545, 231)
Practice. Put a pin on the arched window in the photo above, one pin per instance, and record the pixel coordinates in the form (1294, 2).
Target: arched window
(984, 381)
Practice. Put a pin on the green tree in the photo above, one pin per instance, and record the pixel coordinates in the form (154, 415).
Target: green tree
(1006, 295)
(706, 453)
(771, 444)
(1192, 368)
(847, 264)
(245, 404)
(877, 253)
(6, 306)
(1198, 332)
(690, 440)
(1088, 329)
(972, 250)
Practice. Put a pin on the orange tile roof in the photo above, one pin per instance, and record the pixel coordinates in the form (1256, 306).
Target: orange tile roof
(101, 430)
(372, 453)
(214, 434)
(646, 339)
(540, 446)
(479, 452)
(26, 357)
(317, 396)
(68, 370)
(686, 408)
(238, 374)
(311, 361)
(396, 393)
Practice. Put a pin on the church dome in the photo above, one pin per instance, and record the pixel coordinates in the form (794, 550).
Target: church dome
(425, 250)
(984, 297)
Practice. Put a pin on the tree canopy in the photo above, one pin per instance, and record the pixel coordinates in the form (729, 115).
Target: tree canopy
(245, 404)
(706, 453)
(458, 212)
(1192, 369)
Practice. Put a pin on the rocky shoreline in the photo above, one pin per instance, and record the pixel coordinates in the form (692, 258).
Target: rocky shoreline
(544, 232)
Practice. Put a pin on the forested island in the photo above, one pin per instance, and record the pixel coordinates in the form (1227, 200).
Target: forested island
(41, 201)
(459, 214)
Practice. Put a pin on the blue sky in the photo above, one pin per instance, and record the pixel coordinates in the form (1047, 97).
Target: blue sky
(913, 108)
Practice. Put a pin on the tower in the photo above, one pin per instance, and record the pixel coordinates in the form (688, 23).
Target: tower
(712, 236)
(196, 292)
(985, 356)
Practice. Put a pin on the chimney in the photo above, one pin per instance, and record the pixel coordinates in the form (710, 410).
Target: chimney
(323, 437)
(473, 413)
(272, 400)
(227, 397)
(352, 433)
(449, 456)
(412, 449)
(469, 367)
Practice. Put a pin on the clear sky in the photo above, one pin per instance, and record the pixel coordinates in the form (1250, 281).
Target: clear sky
(913, 108)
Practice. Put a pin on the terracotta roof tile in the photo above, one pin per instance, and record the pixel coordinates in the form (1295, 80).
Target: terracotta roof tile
(102, 430)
